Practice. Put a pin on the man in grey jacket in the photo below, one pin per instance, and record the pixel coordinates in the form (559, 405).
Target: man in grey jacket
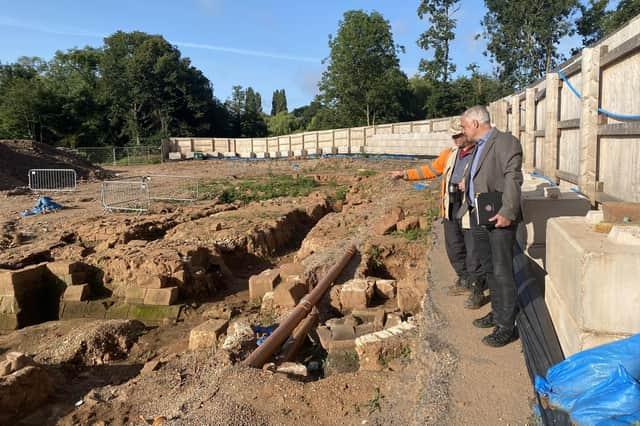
(496, 167)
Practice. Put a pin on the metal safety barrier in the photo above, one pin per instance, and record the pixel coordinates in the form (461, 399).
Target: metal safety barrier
(172, 188)
(126, 195)
(52, 179)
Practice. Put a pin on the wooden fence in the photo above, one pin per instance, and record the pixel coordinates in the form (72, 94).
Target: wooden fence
(593, 141)
(568, 138)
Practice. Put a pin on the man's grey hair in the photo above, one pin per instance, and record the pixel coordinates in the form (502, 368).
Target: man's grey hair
(478, 113)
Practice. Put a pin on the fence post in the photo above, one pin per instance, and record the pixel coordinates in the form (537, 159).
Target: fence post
(589, 122)
(114, 155)
(529, 127)
(349, 140)
(500, 120)
(515, 116)
(550, 150)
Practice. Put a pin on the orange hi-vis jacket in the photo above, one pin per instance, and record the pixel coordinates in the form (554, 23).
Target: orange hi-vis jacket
(443, 165)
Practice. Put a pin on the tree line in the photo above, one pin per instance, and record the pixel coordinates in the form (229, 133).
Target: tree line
(139, 89)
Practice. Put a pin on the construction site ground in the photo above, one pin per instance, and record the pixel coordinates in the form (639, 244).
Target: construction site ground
(443, 376)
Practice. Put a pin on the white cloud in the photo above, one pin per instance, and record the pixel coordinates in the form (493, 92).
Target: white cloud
(247, 52)
(15, 23)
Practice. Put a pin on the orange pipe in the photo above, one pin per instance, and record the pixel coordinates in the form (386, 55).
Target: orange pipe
(261, 354)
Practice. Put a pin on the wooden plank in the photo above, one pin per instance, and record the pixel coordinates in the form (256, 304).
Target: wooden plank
(620, 52)
(530, 127)
(568, 177)
(538, 133)
(620, 129)
(569, 124)
(574, 68)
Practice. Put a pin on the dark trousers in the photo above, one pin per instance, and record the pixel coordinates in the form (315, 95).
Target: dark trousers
(494, 249)
(459, 245)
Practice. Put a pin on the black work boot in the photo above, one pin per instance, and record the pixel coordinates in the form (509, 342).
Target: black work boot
(500, 337)
(486, 321)
(461, 286)
(476, 299)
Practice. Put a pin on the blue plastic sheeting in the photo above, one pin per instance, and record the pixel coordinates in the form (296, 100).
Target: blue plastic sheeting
(419, 186)
(43, 205)
(264, 332)
(615, 398)
(598, 384)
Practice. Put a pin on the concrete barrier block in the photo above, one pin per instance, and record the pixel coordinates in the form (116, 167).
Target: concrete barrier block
(596, 278)
(175, 156)
(230, 154)
(594, 216)
(213, 154)
(262, 155)
(536, 211)
(161, 296)
(189, 155)
(572, 337)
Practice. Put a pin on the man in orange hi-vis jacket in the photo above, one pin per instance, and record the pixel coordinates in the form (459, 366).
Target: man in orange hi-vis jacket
(452, 164)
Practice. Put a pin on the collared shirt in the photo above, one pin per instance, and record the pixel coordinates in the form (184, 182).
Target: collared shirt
(464, 158)
(471, 195)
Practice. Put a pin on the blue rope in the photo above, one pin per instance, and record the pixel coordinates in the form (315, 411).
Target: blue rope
(541, 176)
(600, 110)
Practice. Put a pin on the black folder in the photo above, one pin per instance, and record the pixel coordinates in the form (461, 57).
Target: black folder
(487, 205)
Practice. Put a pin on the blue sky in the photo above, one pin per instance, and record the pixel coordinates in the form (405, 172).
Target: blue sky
(266, 45)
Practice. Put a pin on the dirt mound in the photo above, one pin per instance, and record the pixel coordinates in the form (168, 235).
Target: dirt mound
(93, 343)
(18, 156)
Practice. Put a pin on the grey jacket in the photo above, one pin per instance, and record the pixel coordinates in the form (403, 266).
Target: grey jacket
(500, 169)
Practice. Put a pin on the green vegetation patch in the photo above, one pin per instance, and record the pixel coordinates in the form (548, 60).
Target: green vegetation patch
(257, 189)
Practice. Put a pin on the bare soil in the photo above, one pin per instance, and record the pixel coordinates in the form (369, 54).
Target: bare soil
(447, 377)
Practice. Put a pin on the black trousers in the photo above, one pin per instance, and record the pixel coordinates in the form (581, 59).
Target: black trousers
(494, 249)
(459, 245)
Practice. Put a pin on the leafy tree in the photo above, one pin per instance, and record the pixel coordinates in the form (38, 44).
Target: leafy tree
(282, 123)
(597, 22)
(363, 81)
(253, 123)
(438, 37)
(523, 36)
(278, 102)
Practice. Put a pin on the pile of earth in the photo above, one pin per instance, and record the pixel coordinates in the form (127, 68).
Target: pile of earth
(18, 156)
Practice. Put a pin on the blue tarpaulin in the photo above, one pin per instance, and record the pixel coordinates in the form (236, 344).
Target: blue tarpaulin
(43, 205)
(598, 386)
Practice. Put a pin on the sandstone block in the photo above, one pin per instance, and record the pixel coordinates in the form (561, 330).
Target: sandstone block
(370, 316)
(342, 332)
(135, 294)
(263, 283)
(161, 296)
(375, 349)
(65, 267)
(408, 224)
(386, 288)
(291, 270)
(153, 281)
(289, 293)
(15, 282)
(393, 319)
(77, 293)
(385, 225)
(356, 294)
(206, 334)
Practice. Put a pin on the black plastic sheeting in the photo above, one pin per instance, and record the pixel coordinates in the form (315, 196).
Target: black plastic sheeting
(537, 334)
